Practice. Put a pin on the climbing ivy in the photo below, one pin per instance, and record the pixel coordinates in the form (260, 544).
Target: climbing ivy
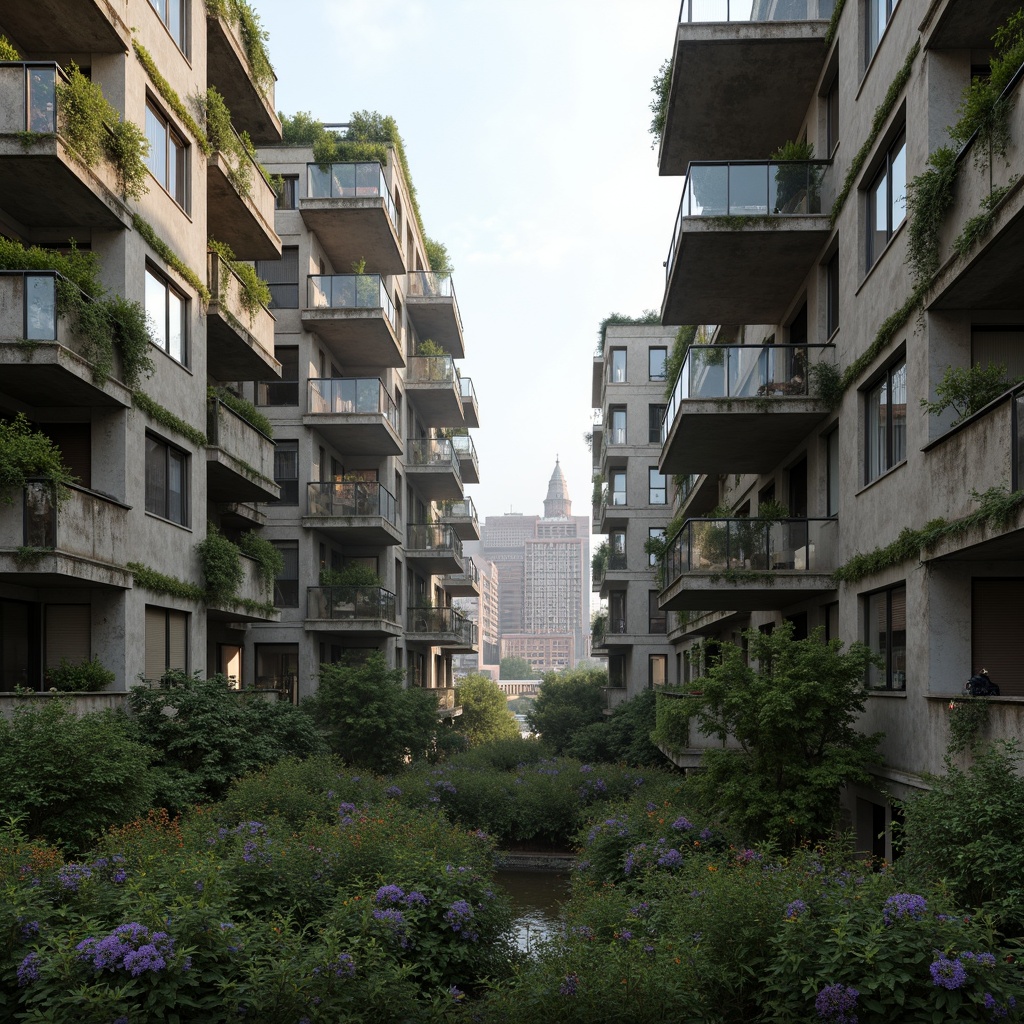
(172, 99)
(159, 583)
(167, 419)
(255, 291)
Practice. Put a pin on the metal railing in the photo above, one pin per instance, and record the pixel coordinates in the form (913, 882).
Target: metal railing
(437, 620)
(351, 498)
(721, 545)
(337, 396)
(433, 537)
(432, 451)
(466, 389)
(350, 603)
(349, 291)
(431, 369)
(461, 509)
(743, 371)
(35, 109)
(471, 574)
(350, 181)
(756, 10)
(463, 446)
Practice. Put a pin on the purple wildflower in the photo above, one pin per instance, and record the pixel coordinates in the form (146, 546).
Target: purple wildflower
(392, 791)
(457, 995)
(795, 910)
(346, 808)
(414, 898)
(119, 877)
(904, 904)
(625, 935)
(345, 966)
(388, 894)
(948, 973)
(72, 875)
(569, 985)
(682, 825)
(672, 859)
(836, 1004)
(28, 969)
(29, 928)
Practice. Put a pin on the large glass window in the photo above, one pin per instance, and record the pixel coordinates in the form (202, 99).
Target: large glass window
(287, 196)
(658, 492)
(655, 533)
(286, 471)
(657, 620)
(617, 486)
(656, 358)
(166, 309)
(887, 422)
(879, 12)
(887, 198)
(617, 425)
(174, 14)
(168, 155)
(618, 366)
(167, 487)
(886, 620)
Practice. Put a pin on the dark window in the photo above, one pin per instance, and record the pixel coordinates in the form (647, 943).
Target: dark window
(886, 422)
(656, 358)
(655, 414)
(167, 490)
(887, 198)
(286, 471)
(286, 390)
(286, 586)
(168, 155)
(283, 278)
(832, 295)
(657, 620)
(885, 616)
(174, 14)
(288, 195)
(832, 471)
(167, 309)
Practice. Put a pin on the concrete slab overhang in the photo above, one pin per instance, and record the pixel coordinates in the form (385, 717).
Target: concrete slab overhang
(464, 584)
(737, 435)
(353, 627)
(439, 561)
(239, 344)
(367, 531)
(58, 569)
(704, 623)
(231, 612)
(230, 478)
(252, 109)
(470, 409)
(739, 88)
(245, 222)
(438, 402)
(353, 229)
(740, 269)
(702, 496)
(361, 337)
(464, 527)
(44, 185)
(66, 26)
(437, 317)
(469, 467)
(356, 433)
(435, 483)
(701, 591)
(963, 24)
(48, 374)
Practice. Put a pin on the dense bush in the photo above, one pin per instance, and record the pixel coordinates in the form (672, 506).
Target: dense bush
(624, 736)
(567, 702)
(85, 676)
(485, 714)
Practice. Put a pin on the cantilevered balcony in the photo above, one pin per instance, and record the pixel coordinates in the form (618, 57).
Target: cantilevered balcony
(470, 410)
(432, 384)
(350, 209)
(463, 584)
(431, 305)
(239, 458)
(963, 24)
(746, 237)
(432, 468)
(436, 547)
(441, 627)
(614, 570)
(354, 512)
(354, 611)
(356, 414)
(240, 206)
(251, 602)
(43, 360)
(461, 516)
(749, 564)
(239, 341)
(69, 26)
(43, 182)
(744, 73)
(988, 274)
(355, 316)
(740, 408)
(75, 540)
(465, 452)
(228, 69)
(678, 736)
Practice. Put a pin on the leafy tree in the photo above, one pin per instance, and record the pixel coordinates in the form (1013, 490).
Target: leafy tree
(515, 668)
(369, 719)
(67, 778)
(967, 832)
(791, 706)
(203, 736)
(567, 702)
(485, 714)
(623, 737)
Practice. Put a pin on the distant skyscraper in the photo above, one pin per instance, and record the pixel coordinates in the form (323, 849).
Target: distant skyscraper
(543, 571)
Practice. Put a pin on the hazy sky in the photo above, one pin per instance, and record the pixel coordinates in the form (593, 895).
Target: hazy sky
(525, 125)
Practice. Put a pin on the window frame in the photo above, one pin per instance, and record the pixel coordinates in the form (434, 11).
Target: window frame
(184, 621)
(655, 533)
(184, 461)
(653, 489)
(613, 475)
(184, 39)
(162, 338)
(894, 454)
(288, 197)
(614, 376)
(875, 25)
(895, 156)
(651, 375)
(280, 299)
(832, 294)
(614, 435)
(182, 193)
(655, 416)
(893, 679)
(282, 447)
(283, 596)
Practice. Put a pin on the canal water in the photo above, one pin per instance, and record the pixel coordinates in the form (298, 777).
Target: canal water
(537, 898)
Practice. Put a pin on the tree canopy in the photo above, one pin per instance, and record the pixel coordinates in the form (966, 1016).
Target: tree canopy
(567, 702)
(485, 713)
(515, 668)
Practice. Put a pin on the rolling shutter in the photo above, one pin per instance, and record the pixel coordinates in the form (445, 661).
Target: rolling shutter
(997, 641)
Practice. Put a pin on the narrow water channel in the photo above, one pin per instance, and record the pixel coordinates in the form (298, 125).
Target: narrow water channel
(537, 898)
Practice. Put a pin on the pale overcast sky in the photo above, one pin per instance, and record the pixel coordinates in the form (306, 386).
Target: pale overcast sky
(525, 125)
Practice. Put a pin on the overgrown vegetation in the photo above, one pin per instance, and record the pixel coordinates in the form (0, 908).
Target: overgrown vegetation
(485, 717)
(26, 453)
(243, 407)
(168, 420)
(85, 676)
(237, 148)
(255, 292)
(269, 560)
(966, 389)
(660, 87)
(254, 37)
(684, 338)
(161, 583)
(8, 51)
(567, 702)
(170, 257)
(648, 316)
(172, 99)
(437, 256)
(222, 567)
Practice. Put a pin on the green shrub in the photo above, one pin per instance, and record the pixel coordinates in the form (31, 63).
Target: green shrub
(269, 560)
(8, 50)
(25, 453)
(85, 676)
(222, 567)
(966, 389)
(243, 407)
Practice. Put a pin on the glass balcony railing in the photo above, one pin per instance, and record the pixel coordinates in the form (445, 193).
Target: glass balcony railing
(277, 392)
(721, 545)
(351, 498)
(756, 10)
(349, 291)
(470, 576)
(431, 369)
(438, 620)
(351, 603)
(350, 181)
(462, 509)
(743, 371)
(433, 537)
(464, 447)
(433, 451)
(425, 284)
(39, 320)
(466, 390)
(30, 93)
(336, 396)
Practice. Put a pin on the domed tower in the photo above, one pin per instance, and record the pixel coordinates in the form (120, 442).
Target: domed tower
(557, 505)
